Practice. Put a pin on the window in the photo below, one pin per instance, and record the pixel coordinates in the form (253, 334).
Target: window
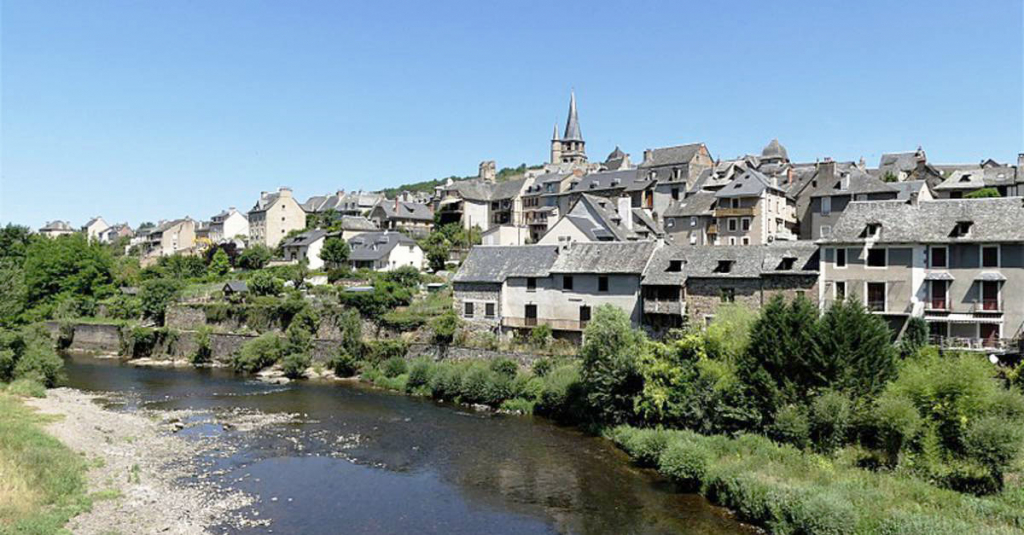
(825, 231)
(876, 296)
(670, 223)
(489, 310)
(735, 202)
(728, 295)
(693, 221)
(724, 266)
(962, 229)
(990, 256)
(732, 240)
(469, 310)
(584, 314)
(530, 315)
(531, 284)
(787, 264)
(675, 266)
(745, 224)
(840, 290)
(872, 230)
(841, 257)
(567, 282)
(675, 194)
(826, 205)
(877, 257)
(937, 257)
(732, 224)
(602, 283)
(745, 241)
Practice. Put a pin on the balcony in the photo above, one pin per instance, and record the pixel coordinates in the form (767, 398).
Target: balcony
(655, 306)
(712, 229)
(876, 306)
(955, 343)
(734, 212)
(937, 304)
(557, 325)
(987, 306)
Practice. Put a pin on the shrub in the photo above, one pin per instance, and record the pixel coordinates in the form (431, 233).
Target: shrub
(294, 365)
(561, 393)
(517, 406)
(609, 365)
(259, 353)
(155, 295)
(542, 366)
(343, 364)
(138, 342)
(204, 349)
(375, 351)
(791, 426)
(27, 388)
(65, 334)
(541, 336)
(829, 421)
(393, 367)
(644, 446)
(263, 283)
(447, 382)
(505, 367)
(685, 461)
(254, 257)
(420, 374)
(444, 327)
(406, 276)
(895, 424)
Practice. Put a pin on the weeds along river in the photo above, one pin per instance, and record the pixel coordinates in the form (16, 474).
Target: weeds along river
(352, 459)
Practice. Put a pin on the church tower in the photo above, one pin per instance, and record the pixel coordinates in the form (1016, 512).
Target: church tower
(570, 148)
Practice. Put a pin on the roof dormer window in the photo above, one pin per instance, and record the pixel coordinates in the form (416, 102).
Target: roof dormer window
(787, 264)
(724, 266)
(872, 230)
(674, 266)
(962, 229)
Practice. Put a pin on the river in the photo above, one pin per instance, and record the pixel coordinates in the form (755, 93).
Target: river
(363, 461)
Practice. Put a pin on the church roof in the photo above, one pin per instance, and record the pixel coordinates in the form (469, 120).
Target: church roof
(774, 149)
(572, 124)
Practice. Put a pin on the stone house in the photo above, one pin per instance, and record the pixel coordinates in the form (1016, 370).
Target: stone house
(691, 221)
(903, 166)
(672, 171)
(414, 218)
(558, 286)
(957, 263)
(352, 225)
(384, 251)
(306, 246)
(482, 202)
(54, 229)
(593, 219)
(685, 284)
(171, 237)
(94, 228)
(540, 201)
(1002, 178)
(753, 210)
(273, 216)
(227, 225)
(116, 232)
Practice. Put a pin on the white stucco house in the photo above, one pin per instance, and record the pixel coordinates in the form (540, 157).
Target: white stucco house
(384, 251)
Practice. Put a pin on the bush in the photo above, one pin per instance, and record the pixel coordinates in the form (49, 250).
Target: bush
(644, 446)
(561, 393)
(685, 461)
(294, 365)
(376, 351)
(609, 371)
(29, 388)
(393, 367)
(829, 420)
(505, 367)
(420, 374)
(542, 366)
(155, 295)
(446, 384)
(254, 257)
(895, 425)
(517, 406)
(263, 283)
(259, 353)
(343, 364)
(444, 327)
(204, 349)
(541, 336)
(406, 276)
(139, 342)
(791, 426)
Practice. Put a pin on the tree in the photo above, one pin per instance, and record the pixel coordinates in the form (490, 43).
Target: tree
(983, 193)
(437, 256)
(263, 283)
(254, 257)
(14, 240)
(67, 264)
(915, 337)
(610, 370)
(335, 251)
(444, 327)
(405, 276)
(12, 291)
(857, 352)
(155, 295)
(182, 266)
(220, 265)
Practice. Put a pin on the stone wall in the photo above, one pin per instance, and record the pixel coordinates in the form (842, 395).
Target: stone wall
(789, 286)
(468, 353)
(184, 317)
(91, 337)
(704, 296)
(479, 294)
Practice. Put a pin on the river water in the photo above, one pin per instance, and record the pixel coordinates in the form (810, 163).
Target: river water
(363, 461)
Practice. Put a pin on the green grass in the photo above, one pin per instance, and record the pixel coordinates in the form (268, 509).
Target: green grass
(196, 290)
(791, 491)
(42, 482)
(26, 388)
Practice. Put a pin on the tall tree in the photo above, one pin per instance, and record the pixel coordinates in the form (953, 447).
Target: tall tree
(335, 251)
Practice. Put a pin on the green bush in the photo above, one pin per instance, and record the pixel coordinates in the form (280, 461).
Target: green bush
(829, 420)
(393, 367)
(444, 328)
(155, 295)
(542, 366)
(644, 446)
(29, 354)
(204, 348)
(791, 426)
(610, 371)
(541, 336)
(259, 353)
(685, 461)
(138, 342)
(561, 393)
(420, 373)
(517, 406)
(894, 427)
(343, 364)
(446, 384)
(375, 351)
(294, 365)
(505, 367)
(263, 283)
(29, 388)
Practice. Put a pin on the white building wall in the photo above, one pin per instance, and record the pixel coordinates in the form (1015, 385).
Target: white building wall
(555, 303)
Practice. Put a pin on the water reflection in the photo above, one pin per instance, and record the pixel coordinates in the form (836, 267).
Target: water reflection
(358, 460)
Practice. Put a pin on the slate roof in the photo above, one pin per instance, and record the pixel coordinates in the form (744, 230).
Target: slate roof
(607, 257)
(856, 182)
(236, 286)
(305, 239)
(978, 178)
(774, 149)
(750, 183)
(672, 155)
(55, 225)
(406, 210)
(264, 201)
(355, 222)
(167, 225)
(495, 263)
(746, 262)
(604, 180)
(698, 204)
(572, 123)
(897, 161)
(908, 187)
(482, 190)
(992, 220)
(376, 245)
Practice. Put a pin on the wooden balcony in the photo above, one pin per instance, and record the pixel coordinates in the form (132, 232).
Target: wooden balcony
(712, 229)
(734, 212)
(654, 306)
(557, 325)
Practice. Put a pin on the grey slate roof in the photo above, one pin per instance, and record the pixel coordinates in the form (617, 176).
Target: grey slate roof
(572, 123)
(698, 204)
(494, 264)
(406, 210)
(856, 182)
(305, 239)
(897, 161)
(605, 180)
(55, 225)
(978, 178)
(745, 262)
(907, 188)
(376, 245)
(672, 155)
(355, 222)
(992, 220)
(236, 286)
(774, 149)
(750, 183)
(607, 257)
(483, 191)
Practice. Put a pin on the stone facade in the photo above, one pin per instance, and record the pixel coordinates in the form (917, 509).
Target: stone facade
(479, 294)
(704, 296)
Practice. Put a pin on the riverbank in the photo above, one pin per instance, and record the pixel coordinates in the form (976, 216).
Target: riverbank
(135, 466)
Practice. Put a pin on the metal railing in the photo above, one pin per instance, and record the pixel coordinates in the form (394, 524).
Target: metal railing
(556, 324)
(959, 343)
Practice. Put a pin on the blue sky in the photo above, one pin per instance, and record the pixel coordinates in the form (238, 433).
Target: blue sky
(142, 110)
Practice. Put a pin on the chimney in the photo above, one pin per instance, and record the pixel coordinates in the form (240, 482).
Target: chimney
(396, 205)
(1020, 159)
(625, 209)
(284, 192)
(914, 198)
(648, 154)
(487, 170)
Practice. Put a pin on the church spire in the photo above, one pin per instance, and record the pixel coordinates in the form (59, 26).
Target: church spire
(572, 124)
(554, 134)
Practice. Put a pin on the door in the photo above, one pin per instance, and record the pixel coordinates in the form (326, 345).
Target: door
(584, 315)
(938, 301)
(876, 296)
(989, 334)
(990, 295)
(531, 315)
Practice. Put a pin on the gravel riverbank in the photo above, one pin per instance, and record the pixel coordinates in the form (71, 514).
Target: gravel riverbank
(140, 468)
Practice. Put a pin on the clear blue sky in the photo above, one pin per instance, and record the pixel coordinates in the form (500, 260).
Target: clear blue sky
(141, 110)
